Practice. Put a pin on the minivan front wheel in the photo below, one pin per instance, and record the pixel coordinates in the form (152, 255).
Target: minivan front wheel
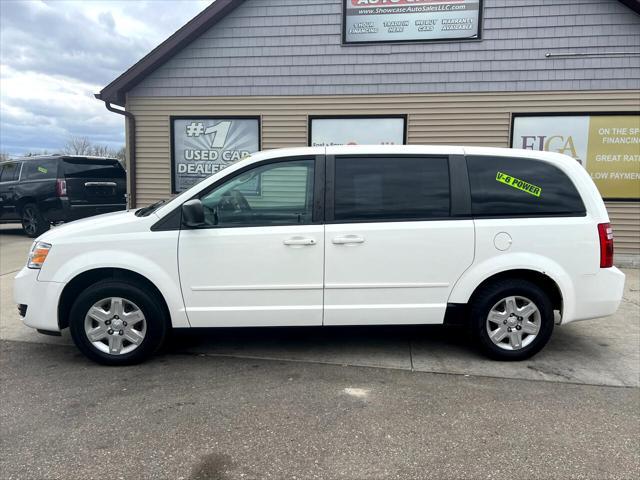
(117, 323)
(512, 319)
(33, 222)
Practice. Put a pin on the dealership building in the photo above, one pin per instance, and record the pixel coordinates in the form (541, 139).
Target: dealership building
(248, 75)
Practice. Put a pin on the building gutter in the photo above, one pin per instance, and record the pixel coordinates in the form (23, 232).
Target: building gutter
(131, 143)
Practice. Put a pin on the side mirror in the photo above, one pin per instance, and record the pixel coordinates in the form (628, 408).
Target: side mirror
(193, 213)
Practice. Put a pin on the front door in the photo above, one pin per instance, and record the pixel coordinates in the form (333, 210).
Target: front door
(393, 248)
(259, 259)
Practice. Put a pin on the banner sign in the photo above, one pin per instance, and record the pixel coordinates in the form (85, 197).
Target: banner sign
(325, 132)
(202, 147)
(608, 146)
(410, 20)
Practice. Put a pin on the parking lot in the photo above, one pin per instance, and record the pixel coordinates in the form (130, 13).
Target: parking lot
(599, 352)
(306, 402)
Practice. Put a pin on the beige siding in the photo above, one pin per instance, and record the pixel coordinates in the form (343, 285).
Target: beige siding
(282, 187)
(453, 119)
(625, 220)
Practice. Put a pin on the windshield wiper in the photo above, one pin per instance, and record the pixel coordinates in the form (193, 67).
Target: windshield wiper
(143, 212)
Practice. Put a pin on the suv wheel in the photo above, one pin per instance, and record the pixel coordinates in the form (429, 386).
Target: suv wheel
(512, 319)
(33, 223)
(117, 323)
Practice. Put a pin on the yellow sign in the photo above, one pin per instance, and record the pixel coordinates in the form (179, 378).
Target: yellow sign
(614, 155)
(608, 146)
(518, 184)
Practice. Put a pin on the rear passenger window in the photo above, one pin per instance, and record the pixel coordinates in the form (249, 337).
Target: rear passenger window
(40, 170)
(391, 188)
(10, 172)
(511, 186)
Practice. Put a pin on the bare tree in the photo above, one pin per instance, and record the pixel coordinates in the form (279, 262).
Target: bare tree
(83, 146)
(77, 146)
(120, 154)
(100, 151)
(4, 156)
(35, 154)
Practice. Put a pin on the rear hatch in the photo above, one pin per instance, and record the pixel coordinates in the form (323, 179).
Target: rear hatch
(94, 181)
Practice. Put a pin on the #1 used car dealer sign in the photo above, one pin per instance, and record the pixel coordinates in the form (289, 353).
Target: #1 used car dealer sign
(203, 146)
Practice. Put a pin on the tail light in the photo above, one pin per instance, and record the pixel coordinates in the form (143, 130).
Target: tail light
(606, 245)
(61, 187)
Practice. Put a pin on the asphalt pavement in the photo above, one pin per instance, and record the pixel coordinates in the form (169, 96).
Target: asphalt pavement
(190, 416)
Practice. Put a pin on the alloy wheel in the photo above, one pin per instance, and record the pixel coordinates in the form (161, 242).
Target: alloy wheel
(29, 221)
(115, 326)
(513, 323)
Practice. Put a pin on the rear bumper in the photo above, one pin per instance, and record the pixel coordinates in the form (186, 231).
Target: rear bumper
(39, 300)
(68, 211)
(596, 295)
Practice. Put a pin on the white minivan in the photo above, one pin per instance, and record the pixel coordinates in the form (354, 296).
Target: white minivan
(497, 239)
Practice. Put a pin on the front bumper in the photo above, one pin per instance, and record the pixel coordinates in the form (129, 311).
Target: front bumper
(39, 298)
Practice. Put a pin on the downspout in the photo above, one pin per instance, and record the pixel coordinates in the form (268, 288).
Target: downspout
(131, 141)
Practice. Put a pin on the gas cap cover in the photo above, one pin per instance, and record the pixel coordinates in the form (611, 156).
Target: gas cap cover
(502, 241)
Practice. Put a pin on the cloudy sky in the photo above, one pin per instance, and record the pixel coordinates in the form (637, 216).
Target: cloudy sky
(55, 54)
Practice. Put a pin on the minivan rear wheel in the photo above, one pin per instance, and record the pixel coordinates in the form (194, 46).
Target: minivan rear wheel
(511, 319)
(117, 323)
(33, 222)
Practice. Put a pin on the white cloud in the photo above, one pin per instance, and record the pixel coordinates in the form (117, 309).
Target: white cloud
(41, 111)
(55, 55)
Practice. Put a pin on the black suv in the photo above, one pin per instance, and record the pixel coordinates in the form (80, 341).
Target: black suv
(39, 191)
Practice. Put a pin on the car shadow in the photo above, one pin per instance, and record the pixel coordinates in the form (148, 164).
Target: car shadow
(14, 231)
(571, 355)
(340, 341)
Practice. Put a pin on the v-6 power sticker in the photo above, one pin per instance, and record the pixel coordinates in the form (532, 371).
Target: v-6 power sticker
(519, 184)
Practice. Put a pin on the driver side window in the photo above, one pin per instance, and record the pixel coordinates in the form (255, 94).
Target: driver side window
(278, 193)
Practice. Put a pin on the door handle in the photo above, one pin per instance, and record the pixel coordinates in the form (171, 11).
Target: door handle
(347, 240)
(299, 241)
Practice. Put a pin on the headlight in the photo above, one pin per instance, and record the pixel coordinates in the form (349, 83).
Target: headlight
(38, 254)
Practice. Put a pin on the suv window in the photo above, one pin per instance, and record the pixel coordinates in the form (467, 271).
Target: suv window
(40, 169)
(10, 172)
(92, 168)
(512, 186)
(391, 188)
(274, 194)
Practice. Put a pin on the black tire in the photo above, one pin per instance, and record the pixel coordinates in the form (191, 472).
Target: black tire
(488, 296)
(33, 222)
(157, 324)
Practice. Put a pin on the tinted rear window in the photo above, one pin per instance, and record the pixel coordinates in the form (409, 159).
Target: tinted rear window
(511, 186)
(9, 172)
(394, 188)
(92, 168)
(40, 169)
